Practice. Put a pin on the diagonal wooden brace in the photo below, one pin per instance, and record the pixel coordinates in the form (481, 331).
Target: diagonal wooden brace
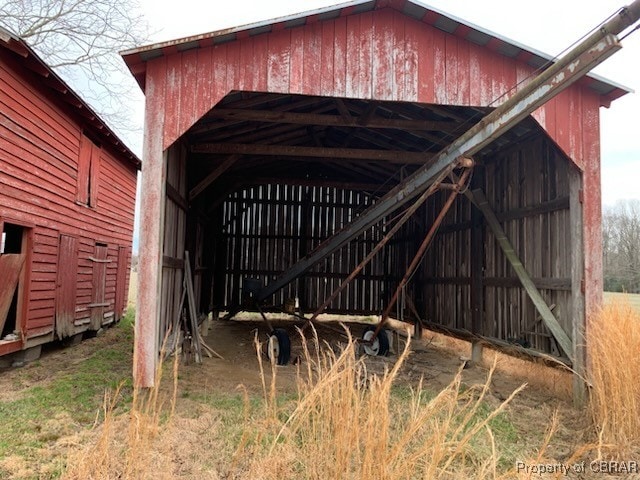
(543, 309)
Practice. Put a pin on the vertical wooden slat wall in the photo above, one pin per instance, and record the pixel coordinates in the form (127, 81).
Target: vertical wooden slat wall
(174, 243)
(528, 188)
(264, 234)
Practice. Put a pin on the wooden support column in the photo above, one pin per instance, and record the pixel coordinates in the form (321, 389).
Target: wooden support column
(541, 306)
(305, 234)
(477, 260)
(219, 262)
(578, 316)
(145, 351)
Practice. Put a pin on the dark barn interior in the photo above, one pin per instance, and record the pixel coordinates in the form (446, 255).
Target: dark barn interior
(263, 179)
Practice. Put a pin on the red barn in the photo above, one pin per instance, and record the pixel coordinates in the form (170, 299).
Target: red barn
(281, 153)
(67, 195)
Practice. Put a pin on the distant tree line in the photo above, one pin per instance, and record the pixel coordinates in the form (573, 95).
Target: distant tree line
(621, 246)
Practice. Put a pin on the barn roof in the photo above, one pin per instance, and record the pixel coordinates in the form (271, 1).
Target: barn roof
(136, 58)
(59, 87)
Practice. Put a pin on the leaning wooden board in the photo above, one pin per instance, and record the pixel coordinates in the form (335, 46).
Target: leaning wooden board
(11, 267)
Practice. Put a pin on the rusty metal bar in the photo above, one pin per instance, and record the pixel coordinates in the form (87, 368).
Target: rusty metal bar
(405, 216)
(423, 248)
(571, 67)
(426, 242)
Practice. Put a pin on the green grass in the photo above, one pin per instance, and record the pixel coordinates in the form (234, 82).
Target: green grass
(632, 298)
(505, 432)
(42, 413)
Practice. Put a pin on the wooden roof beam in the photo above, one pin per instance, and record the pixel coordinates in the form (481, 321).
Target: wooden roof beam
(270, 116)
(398, 109)
(209, 123)
(209, 179)
(319, 182)
(392, 156)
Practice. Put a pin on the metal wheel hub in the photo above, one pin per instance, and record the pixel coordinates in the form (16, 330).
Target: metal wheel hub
(372, 348)
(273, 349)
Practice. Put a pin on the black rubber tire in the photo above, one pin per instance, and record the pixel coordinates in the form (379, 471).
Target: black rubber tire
(284, 345)
(383, 340)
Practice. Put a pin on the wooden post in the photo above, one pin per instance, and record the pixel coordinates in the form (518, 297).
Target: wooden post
(578, 316)
(477, 260)
(476, 353)
(145, 351)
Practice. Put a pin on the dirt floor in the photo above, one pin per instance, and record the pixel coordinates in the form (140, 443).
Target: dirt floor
(435, 358)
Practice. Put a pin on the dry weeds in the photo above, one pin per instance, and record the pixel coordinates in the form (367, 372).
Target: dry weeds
(344, 422)
(344, 425)
(614, 349)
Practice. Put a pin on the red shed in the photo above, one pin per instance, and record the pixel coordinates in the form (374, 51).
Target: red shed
(282, 152)
(67, 195)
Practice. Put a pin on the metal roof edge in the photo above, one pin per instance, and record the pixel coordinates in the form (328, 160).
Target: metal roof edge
(195, 39)
(515, 43)
(241, 28)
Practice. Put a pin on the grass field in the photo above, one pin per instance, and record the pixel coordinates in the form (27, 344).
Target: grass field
(633, 299)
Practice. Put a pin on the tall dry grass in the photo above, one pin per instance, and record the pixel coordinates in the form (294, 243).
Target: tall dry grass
(129, 445)
(345, 424)
(614, 366)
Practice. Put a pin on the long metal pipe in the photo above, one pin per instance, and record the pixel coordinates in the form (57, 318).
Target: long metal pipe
(405, 217)
(425, 243)
(572, 66)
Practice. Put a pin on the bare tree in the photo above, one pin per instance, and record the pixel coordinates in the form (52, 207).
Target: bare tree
(81, 39)
(621, 246)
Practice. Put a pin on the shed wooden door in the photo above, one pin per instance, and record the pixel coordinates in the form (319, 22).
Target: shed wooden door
(121, 282)
(66, 286)
(11, 267)
(99, 281)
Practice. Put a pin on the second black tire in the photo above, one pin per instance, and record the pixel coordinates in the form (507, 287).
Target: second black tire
(380, 345)
(283, 346)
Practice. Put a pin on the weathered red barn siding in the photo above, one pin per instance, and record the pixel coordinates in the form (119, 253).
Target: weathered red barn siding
(383, 55)
(393, 51)
(39, 150)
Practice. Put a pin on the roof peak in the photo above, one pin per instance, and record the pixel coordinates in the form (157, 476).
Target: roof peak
(415, 9)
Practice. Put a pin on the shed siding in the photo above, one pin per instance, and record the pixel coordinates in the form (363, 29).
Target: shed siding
(381, 55)
(528, 188)
(389, 56)
(39, 152)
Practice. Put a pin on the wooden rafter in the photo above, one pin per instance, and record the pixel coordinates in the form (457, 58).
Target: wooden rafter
(209, 179)
(392, 156)
(214, 122)
(270, 116)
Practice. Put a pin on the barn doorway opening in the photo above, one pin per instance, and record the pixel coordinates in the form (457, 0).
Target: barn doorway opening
(14, 247)
(262, 180)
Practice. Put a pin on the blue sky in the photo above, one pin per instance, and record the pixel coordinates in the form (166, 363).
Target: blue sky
(545, 25)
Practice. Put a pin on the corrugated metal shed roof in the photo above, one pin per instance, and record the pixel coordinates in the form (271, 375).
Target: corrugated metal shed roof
(135, 58)
(33, 62)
